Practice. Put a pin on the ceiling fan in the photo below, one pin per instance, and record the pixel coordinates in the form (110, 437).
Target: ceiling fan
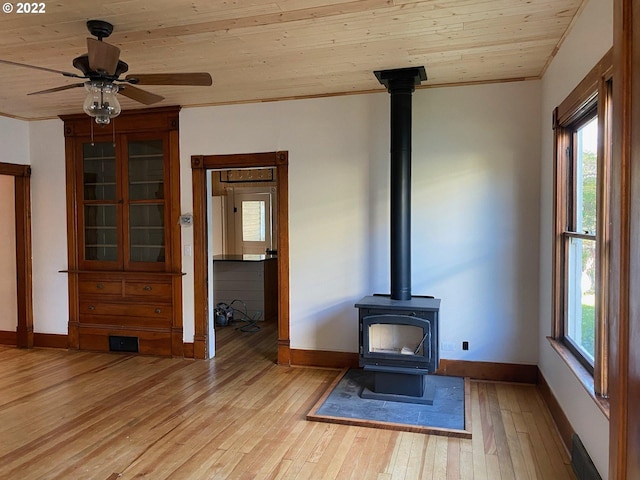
(101, 69)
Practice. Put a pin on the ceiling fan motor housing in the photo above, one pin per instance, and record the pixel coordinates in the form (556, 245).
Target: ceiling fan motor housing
(99, 28)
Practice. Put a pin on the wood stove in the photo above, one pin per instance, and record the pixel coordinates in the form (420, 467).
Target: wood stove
(398, 332)
(399, 343)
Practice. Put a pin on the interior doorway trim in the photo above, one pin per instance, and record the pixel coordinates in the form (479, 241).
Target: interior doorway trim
(22, 189)
(200, 164)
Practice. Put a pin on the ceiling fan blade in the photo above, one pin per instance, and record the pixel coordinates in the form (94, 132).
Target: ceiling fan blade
(194, 79)
(103, 57)
(58, 89)
(139, 95)
(44, 69)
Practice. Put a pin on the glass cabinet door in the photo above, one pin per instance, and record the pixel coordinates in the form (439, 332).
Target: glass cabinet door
(99, 175)
(146, 202)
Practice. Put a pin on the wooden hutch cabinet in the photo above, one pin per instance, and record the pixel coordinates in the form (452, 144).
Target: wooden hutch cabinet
(123, 208)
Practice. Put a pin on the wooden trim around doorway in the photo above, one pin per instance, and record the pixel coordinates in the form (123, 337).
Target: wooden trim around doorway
(624, 304)
(22, 188)
(199, 166)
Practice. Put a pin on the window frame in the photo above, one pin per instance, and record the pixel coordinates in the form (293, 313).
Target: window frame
(592, 96)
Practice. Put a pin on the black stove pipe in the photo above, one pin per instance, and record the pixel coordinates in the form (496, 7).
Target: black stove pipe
(401, 84)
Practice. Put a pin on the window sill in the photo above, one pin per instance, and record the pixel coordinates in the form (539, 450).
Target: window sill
(581, 373)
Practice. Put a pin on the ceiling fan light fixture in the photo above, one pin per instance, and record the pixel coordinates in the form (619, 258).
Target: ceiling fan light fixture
(101, 69)
(101, 101)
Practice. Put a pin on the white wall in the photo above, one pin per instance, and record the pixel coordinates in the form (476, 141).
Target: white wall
(14, 138)
(49, 227)
(475, 208)
(589, 40)
(475, 222)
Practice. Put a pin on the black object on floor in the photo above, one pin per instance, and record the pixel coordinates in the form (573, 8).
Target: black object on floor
(344, 404)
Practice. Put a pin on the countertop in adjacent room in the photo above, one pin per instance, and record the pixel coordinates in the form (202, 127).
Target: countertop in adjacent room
(247, 257)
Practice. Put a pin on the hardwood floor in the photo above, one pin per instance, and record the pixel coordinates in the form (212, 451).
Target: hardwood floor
(78, 415)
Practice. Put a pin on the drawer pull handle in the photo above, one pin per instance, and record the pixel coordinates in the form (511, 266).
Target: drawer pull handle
(99, 286)
(147, 288)
(158, 310)
(91, 307)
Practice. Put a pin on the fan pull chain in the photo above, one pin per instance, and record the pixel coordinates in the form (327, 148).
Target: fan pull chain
(93, 144)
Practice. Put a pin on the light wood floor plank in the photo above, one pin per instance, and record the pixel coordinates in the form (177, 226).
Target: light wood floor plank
(527, 454)
(416, 456)
(466, 465)
(76, 415)
(515, 449)
(500, 436)
(429, 458)
(477, 439)
(453, 458)
(338, 456)
(440, 464)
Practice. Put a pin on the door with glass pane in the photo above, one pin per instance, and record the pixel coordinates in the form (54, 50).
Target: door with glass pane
(100, 209)
(144, 205)
(122, 214)
(253, 222)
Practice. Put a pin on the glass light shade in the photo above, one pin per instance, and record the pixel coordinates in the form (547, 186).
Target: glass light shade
(101, 101)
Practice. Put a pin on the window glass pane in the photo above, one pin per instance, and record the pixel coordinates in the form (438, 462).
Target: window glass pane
(99, 171)
(100, 233)
(253, 220)
(146, 233)
(586, 177)
(581, 295)
(146, 170)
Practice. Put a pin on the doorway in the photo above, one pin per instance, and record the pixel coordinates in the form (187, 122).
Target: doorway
(21, 174)
(242, 254)
(201, 167)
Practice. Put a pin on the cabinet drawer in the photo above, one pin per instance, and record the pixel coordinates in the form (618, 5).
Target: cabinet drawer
(125, 309)
(115, 321)
(147, 289)
(100, 287)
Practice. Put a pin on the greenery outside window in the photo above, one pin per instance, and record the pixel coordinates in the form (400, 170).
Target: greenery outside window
(581, 238)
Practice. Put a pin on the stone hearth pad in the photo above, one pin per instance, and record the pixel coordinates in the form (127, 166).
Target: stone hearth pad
(343, 404)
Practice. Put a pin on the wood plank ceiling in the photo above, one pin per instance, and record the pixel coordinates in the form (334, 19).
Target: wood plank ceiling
(261, 50)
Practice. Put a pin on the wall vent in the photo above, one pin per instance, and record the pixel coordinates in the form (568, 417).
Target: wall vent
(119, 343)
(581, 461)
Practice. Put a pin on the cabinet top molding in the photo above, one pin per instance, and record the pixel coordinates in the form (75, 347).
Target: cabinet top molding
(142, 120)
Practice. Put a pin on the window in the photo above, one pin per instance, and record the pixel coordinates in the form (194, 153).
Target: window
(582, 161)
(253, 220)
(580, 237)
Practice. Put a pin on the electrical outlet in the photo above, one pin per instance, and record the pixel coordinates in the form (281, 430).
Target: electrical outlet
(465, 345)
(447, 346)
